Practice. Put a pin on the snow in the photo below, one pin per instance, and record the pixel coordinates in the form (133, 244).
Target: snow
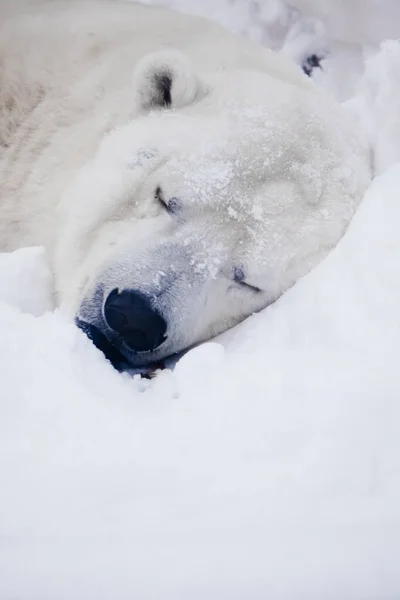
(265, 465)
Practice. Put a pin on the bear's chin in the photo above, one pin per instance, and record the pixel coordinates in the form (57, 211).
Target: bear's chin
(113, 355)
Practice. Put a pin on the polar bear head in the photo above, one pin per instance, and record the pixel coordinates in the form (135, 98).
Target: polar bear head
(203, 209)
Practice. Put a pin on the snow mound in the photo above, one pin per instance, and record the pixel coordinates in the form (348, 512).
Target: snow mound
(266, 465)
(25, 280)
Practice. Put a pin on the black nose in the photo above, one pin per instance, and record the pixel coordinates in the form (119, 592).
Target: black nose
(130, 314)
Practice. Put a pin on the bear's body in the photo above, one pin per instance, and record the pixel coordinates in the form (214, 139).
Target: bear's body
(110, 109)
(67, 70)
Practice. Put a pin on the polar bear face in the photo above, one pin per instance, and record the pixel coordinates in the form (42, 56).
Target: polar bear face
(188, 220)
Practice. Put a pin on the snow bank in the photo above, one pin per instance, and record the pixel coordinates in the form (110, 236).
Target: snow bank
(265, 465)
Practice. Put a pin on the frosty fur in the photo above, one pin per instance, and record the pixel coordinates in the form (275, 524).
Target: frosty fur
(263, 169)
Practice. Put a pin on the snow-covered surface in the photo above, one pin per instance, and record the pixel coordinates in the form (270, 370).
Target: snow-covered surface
(267, 465)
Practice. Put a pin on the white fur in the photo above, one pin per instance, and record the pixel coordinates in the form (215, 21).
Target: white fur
(266, 170)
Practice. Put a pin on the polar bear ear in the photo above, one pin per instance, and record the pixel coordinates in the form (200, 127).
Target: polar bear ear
(166, 79)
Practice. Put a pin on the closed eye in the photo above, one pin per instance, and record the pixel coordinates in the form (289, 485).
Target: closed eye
(240, 278)
(171, 205)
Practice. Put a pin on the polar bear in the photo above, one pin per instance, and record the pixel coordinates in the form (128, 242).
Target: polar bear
(179, 177)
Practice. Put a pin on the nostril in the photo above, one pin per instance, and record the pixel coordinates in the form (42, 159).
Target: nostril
(116, 317)
(131, 314)
(138, 340)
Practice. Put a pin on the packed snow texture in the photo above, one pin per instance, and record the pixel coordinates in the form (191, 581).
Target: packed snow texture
(266, 465)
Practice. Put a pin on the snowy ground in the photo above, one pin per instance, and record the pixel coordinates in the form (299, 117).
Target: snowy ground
(267, 465)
